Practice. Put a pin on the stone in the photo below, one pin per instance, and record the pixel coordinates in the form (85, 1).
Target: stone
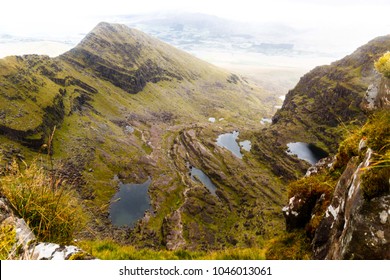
(173, 231)
(24, 235)
(26, 248)
(383, 216)
(52, 251)
(298, 212)
(354, 227)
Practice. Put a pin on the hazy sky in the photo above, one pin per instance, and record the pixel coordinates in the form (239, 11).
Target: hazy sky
(345, 22)
(26, 16)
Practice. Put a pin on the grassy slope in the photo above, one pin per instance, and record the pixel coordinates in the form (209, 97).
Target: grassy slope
(91, 125)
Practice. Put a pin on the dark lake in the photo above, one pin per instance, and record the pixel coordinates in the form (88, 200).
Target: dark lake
(130, 203)
(305, 151)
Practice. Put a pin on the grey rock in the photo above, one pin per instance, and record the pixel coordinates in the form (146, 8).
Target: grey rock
(354, 227)
(52, 251)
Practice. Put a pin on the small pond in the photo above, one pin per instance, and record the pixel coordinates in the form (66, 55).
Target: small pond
(203, 178)
(229, 141)
(246, 145)
(305, 151)
(265, 120)
(130, 203)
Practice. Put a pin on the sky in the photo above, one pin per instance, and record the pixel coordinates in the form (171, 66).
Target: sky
(349, 22)
(30, 17)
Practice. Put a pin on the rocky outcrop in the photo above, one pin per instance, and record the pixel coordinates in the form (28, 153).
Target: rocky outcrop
(377, 96)
(300, 208)
(353, 227)
(173, 231)
(26, 246)
(332, 95)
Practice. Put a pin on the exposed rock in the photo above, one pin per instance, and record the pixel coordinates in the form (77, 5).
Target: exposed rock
(26, 247)
(383, 99)
(173, 231)
(371, 95)
(298, 212)
(353, 227)
(52, 251)
(321, 164)
(377, 95)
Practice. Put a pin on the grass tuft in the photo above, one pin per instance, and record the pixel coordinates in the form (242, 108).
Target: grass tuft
(290, 246)
(48, 205)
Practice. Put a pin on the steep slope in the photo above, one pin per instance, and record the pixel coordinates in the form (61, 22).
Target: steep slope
(342, 203)
(325, 105)
(331, 97)
(124, 106)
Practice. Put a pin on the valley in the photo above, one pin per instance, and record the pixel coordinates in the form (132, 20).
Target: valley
(123, 118)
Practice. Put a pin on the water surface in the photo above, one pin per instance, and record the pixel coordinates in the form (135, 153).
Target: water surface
(130, 203)
(265, 120)
(228, 141)
(246, 145)
(305, 151)
(203, 178)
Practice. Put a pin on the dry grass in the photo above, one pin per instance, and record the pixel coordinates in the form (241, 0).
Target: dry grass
(48, 205)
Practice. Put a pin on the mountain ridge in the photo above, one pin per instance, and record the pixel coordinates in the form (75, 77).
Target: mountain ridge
(111, 113)
(332, 96)
(123, 107)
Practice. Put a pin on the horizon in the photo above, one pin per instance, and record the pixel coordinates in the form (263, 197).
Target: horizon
(330, 29)
(347, 21)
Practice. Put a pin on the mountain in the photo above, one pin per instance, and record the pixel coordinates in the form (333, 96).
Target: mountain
(123, 110)
(339, 208)
(124, 106)
(331, 98)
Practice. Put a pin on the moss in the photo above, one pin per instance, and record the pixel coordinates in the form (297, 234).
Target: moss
(313, 186)
(375, 182)
(290, 246)
(383, 65)
(80, 256)
(348, 148)
(7, 240)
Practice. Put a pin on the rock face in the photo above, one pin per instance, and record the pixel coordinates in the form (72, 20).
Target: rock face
(353, 227)
(355, 224)
(173, 231)
(332, 94)
(300, 208)
(26, 246)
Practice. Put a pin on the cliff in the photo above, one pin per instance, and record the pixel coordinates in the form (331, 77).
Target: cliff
(350, 219)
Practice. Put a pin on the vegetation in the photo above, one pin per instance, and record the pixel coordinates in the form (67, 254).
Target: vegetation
(7, 240)
(376, 135)
(311, 189)
(383, 65)
(375, 180)
(45, 201)
(110, 250)
(290, 246)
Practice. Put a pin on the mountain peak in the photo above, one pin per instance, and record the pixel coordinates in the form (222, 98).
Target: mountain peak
(129, 58)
